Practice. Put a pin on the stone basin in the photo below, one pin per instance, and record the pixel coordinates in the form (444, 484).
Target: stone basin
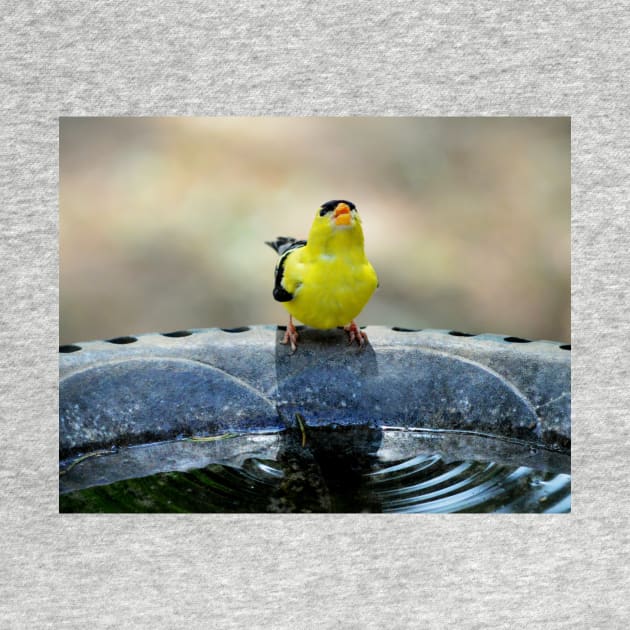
(211, 382)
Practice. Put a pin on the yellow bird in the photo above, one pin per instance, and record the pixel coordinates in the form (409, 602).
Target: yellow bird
(326, 280)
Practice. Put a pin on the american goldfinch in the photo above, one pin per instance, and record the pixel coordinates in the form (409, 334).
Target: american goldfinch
(326, 280)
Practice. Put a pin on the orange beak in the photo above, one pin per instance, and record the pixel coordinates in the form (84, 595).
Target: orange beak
(342, 214)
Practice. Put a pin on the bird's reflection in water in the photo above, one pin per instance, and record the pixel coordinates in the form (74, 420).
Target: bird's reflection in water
(325, 469)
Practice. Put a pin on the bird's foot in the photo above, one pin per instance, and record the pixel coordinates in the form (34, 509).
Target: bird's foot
(354, 332)
(291, 336)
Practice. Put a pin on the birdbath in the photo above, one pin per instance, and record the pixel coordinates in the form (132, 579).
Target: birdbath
(204, 397)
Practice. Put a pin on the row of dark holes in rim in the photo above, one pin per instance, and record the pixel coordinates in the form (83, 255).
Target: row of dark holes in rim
(187, 333)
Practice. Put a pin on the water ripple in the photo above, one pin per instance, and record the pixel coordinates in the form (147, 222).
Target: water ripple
(429, 484)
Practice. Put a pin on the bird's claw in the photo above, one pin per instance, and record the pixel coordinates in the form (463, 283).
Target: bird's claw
(292, 339)
(291, 336)
(354, 332)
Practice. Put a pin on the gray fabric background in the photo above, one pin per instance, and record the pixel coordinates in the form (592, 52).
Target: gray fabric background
(107, 58)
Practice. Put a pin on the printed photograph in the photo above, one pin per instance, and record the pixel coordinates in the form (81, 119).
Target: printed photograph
(323, 315)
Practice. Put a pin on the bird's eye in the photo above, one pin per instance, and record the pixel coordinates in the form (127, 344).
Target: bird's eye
(324, 210)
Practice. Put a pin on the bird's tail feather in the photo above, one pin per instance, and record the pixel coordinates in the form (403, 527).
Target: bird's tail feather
(283, 243)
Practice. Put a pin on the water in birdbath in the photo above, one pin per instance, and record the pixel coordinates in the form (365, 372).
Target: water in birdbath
(322, 469)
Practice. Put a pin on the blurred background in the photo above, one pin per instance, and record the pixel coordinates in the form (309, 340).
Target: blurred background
(162, 220)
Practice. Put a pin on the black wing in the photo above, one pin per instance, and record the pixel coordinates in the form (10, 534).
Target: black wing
(284, 245)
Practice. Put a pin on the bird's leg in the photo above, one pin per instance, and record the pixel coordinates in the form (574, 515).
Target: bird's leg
(354, 332)
(291, 335)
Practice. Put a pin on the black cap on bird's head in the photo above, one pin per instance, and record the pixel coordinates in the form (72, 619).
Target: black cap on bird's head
(330, 206)
(340, 209)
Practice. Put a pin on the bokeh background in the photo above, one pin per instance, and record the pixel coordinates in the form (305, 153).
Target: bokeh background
(162, 220)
